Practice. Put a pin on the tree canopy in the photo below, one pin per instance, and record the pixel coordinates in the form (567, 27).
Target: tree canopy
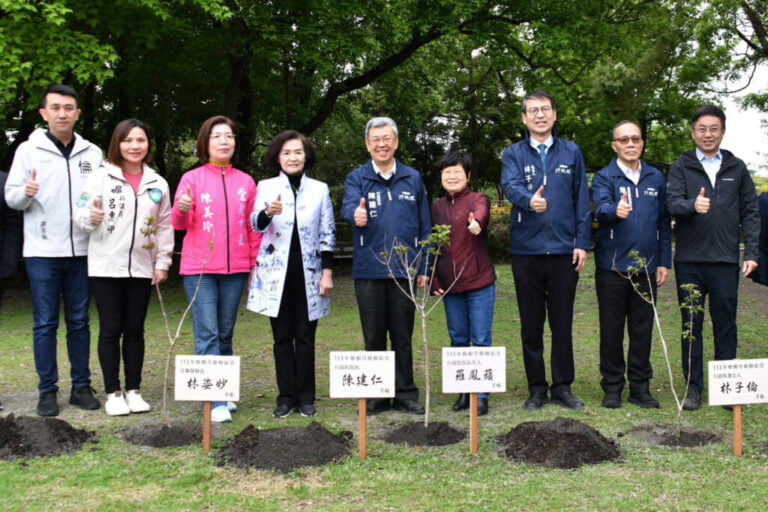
(451, 72)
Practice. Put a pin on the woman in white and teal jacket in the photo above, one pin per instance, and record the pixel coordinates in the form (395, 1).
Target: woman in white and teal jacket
(293, 279)
(126, 208)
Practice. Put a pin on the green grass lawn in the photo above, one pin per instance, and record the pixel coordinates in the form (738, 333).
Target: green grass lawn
(114, 475)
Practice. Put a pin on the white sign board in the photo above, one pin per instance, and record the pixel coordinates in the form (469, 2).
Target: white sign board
(738, 382)
(207, 378)
(362, 374)
(474, 369)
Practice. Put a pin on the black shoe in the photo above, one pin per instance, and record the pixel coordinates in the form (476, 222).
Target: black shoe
(84, 399)
(1, 406)
(566, 399)
(612, 400)
(409, 406)
(644, 400)
(462, 402)
(536, 401)
(47, 405)
(692, 400)
(482, 406)
(376, 405)
(282, 411)
(307, 410)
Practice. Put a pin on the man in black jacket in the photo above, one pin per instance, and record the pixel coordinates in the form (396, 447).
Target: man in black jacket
(712, 197)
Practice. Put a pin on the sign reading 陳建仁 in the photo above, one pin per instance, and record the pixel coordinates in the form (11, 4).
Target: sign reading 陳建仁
(362, 374)
(738, 382)
(474, 369)
(207, 378)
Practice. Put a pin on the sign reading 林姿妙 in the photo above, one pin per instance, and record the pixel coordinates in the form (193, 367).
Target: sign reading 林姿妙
(207, 378)
(362, 374)
(738, 382)
(474, 369)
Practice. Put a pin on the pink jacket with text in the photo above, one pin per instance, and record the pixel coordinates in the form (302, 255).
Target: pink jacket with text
(219, 239)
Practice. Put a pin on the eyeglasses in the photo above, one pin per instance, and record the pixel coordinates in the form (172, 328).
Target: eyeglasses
(378, 140)
(636, 139)
(546, 109)
(714, 130)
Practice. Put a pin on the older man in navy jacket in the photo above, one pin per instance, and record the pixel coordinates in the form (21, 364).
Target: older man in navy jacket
(387, 204)
(630, 208)
(545, 179)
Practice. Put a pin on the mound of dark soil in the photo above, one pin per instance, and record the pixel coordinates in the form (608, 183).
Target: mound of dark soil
(416, 434)
(670, 436)
(163, 436)
(285, 449)
(562, 443)
(27, 436)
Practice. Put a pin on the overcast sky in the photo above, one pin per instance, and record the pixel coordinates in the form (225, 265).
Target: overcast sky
(743, 135)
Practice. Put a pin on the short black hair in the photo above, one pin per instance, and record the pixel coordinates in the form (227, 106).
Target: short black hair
(709, 110)
(539, 95)
(456, 158)
(64, 90)
(272, 156)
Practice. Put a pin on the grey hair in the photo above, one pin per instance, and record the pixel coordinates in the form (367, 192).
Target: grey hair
(378, 122)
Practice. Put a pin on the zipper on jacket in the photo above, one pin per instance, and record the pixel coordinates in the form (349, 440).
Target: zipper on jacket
(133, 231)
(226, 214)
(71, 222)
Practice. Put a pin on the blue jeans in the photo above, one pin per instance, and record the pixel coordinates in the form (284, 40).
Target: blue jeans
(214, 311)
(52, 279)
(469, 316)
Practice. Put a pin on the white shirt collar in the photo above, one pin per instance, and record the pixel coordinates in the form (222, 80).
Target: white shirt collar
(535, 144)
(380, 173)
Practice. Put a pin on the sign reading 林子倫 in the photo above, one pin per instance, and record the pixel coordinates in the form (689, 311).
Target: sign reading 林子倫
(738, 382)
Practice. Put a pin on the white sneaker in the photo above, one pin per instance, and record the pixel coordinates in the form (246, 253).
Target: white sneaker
(220, 414)
(135, 402)
(232, 406)
(116, 404)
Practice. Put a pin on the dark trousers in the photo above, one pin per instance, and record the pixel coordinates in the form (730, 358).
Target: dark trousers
(620, 304)
(719, 281)
(385, 309)
(122, 305)
(546, 288)
(294, 347)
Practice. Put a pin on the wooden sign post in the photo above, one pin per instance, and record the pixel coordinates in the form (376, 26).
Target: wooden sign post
(474, 370)
(362, 375)
(738, 382)
(207, 379)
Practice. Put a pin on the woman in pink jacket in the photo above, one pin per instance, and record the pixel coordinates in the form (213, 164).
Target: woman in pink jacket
(213, 203)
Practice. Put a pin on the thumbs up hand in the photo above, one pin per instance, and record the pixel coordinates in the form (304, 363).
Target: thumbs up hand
(538, 203)
(702, 202)
(275, 207)
(97, 214)
(361, 214)
(623, 208)
(472, 225)
(32, 187)
(185, 201)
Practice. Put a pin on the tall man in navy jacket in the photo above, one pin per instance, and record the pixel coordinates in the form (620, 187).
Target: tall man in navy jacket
(631, 211)
(545, 179)
(387, 204)
(712, 197)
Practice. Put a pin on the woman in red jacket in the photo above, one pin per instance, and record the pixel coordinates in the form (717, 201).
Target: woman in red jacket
(465, 273)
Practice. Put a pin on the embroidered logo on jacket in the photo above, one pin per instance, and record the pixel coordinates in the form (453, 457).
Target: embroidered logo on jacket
(156, 195)
(85, 167)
